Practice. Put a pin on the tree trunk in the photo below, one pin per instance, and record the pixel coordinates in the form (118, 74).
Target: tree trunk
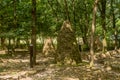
(2, 43)
(15, 19)
(86, 24)
(66, 11)
(103, 21)
(93, 32)
(74, 15)
(33, 36)
(17, 45)
(9, 45)
(114, 26)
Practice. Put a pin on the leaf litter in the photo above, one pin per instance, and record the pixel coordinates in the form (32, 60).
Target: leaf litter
(18, 69)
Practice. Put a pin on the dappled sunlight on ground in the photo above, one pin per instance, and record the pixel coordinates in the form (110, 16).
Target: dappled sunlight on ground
(17, 68)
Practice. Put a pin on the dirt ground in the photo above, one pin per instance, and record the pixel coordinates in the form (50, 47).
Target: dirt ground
(17, 68)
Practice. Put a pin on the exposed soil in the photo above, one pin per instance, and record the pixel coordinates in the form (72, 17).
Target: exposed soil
(17, 68)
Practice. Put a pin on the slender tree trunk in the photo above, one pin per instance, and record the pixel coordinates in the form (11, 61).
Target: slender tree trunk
(17, 45)
(103, 20)
(84, 32)
(86, 25)
(15, 19)
(66, 11)
(114, 25)
(33, 36)
(9, 45)
(2, 43)
(74, 14)
(92, 33)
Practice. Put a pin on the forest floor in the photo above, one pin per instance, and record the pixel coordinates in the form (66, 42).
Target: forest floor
(17, 68)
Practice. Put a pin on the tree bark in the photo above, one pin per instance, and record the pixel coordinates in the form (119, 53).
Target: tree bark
(74, 14)
(33, 36)
(103, 21)
(15, 19)
(9, 45)
(66, 11)
(114, 25)
(92, 33)
(3, 43)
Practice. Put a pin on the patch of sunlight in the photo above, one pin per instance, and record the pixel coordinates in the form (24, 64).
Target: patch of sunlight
(83, 64)
(68, 78)
(2, 52)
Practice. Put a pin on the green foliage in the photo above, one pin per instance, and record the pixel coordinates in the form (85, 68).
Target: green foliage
(50, 16)
(8, 35)
(118, 26)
